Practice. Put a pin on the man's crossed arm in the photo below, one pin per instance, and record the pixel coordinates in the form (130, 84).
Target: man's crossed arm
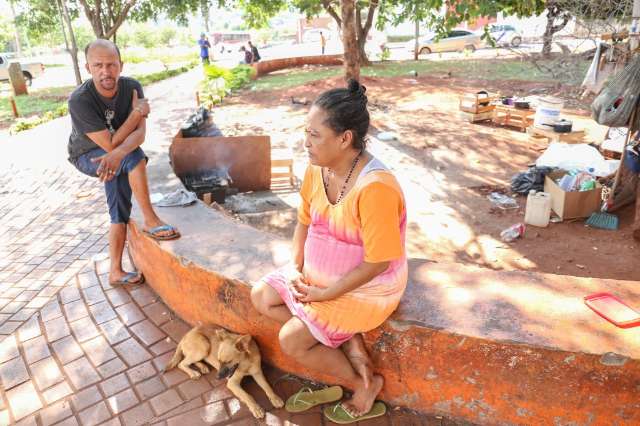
(128, 137)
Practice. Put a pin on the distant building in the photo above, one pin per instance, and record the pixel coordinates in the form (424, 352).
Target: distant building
(314, 26)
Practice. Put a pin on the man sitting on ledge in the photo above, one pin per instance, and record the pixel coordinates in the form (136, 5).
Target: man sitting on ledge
(108, 115)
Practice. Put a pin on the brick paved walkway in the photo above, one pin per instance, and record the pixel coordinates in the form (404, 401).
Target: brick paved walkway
(74, 350)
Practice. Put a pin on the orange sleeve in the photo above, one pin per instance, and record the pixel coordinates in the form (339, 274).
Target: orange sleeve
(306, 189)
(380, 208)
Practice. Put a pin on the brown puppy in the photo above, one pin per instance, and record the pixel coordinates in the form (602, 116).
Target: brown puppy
(231, 354)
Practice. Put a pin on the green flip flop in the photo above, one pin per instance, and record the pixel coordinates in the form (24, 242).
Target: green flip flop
(306, 398)
(337, 414)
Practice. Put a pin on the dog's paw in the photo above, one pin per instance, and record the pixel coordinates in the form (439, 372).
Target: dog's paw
(257, 411)
(195, 375)
(204, 369)
(276, 401)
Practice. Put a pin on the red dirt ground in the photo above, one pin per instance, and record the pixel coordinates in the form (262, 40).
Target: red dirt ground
(445, 166)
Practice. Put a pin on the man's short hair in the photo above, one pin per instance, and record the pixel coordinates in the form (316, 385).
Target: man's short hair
(102, 43)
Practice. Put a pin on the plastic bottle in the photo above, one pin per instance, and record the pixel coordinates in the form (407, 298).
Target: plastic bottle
(513, 232)
(538, 210)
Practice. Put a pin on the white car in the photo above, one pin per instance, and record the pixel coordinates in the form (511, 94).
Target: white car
(30, 70)
(505, 35)
(456, 41)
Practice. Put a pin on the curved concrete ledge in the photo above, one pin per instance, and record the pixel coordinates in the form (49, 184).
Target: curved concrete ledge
(485, 346)
(265, 67)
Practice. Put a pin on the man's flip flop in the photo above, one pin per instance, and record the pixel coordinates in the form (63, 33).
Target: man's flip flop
(337, 414)
(129, 279)
(155, 233)
(306, 398)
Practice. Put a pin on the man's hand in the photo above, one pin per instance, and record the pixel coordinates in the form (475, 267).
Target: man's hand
(109, 164)
(141, 105)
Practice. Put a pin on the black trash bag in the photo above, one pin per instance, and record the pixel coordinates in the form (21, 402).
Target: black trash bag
(200, 124)
(533, 178)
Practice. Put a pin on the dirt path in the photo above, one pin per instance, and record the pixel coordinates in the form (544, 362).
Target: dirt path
(444, 166)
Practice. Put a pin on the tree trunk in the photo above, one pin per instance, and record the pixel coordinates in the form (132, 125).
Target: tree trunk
(73, 50)
(16, 79)
(362, 30)
(361, 35)
(204, 8)
(16, 31)
(349, 40)
(109, 27)
(362, 54)
(416, 45)
(554, 12)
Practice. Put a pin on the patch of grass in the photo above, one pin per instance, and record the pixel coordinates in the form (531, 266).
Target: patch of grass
(36, 102)
(490, 69)
(53, 65)
(147, 79)
(295, 77)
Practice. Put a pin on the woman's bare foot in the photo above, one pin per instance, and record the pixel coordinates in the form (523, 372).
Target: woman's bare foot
(363, 398)
(359, 358)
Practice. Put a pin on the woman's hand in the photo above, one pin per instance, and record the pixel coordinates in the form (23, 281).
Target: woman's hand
(308, 293)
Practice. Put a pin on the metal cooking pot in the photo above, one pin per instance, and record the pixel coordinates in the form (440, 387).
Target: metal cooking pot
(562, 126)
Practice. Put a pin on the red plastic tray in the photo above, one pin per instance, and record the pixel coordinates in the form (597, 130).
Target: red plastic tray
(613, 310)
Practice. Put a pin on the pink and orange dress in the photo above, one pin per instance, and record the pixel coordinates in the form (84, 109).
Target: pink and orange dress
(368, 224)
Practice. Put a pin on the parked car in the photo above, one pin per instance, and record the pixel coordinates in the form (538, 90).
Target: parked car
(30, 70)
(505, 35)
(456, 40)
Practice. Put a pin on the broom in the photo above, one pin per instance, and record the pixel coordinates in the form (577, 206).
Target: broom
(602, 219)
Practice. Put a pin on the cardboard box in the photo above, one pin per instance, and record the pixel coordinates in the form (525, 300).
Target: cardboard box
(571, 205)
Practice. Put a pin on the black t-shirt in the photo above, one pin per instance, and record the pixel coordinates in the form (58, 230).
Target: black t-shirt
(91, 112)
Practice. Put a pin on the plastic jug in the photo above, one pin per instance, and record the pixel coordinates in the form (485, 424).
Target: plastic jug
(538, 209)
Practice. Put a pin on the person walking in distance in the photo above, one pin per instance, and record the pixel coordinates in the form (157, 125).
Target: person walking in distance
(323, 42)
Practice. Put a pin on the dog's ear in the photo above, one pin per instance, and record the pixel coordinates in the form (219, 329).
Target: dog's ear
(221, 334)
(242, 344)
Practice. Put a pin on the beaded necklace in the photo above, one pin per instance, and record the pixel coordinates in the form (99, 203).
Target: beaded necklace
(346, 181)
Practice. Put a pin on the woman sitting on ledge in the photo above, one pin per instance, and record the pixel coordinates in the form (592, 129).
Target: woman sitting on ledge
(349, 266)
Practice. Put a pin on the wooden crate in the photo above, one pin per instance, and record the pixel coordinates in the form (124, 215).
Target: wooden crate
(476, 104)
(508, 115)
(575, 136)
(474, 118)
(282, 168)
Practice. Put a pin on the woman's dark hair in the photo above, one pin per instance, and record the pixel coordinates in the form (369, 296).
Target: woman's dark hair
(346, 109)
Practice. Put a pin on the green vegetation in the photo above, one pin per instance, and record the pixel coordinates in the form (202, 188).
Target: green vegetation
(219, 82)
(295, 77)
(161, 75)
(38, 102)
(490, 69)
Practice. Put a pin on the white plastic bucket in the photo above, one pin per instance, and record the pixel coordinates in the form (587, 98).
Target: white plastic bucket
(538, 210)
(548, 112)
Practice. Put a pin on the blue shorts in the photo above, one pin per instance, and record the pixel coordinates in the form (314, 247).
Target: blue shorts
(118, 190)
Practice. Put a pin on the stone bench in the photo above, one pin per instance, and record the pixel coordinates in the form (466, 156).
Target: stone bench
(491, 347)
